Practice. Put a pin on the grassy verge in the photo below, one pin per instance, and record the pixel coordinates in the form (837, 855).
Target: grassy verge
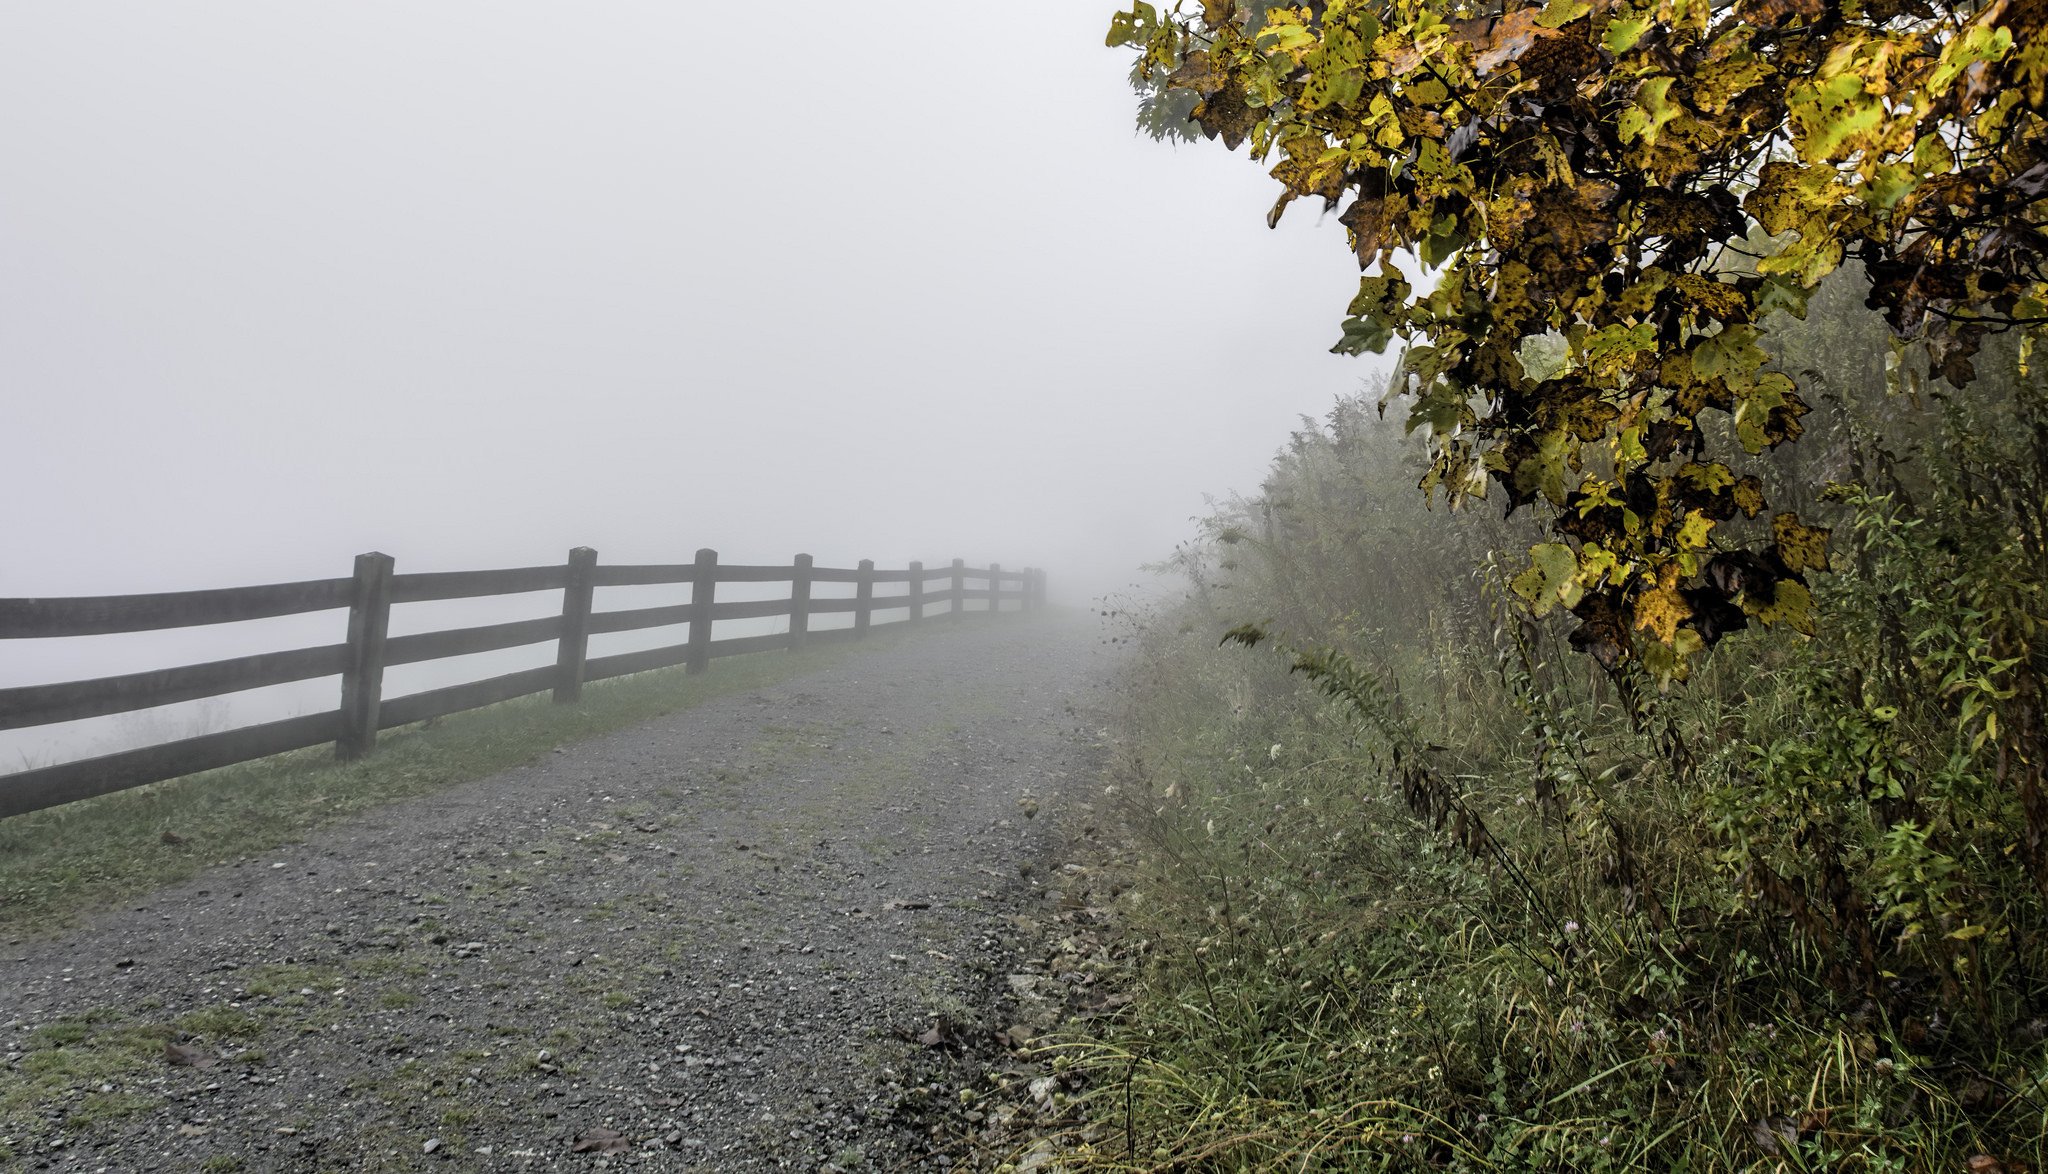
(58, 864)
(1431, 889)
(1333, 981)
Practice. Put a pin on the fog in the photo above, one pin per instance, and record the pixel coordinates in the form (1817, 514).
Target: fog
(474, 283)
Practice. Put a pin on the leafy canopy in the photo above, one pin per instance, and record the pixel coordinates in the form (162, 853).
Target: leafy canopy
(1609, 200)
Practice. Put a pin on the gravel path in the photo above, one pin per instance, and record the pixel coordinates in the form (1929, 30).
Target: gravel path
(775, 931)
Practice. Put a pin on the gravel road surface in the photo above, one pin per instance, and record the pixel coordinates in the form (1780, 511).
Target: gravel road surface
(776, 931)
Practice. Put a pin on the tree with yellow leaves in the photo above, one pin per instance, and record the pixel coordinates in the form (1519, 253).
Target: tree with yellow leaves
(1605, 203)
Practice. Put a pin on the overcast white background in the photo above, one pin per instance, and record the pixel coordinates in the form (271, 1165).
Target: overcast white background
(472, 283)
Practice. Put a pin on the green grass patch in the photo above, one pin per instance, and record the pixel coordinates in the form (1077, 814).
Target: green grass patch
(220, 1024)
(58, 864)
(80, 1061)
(280, 980)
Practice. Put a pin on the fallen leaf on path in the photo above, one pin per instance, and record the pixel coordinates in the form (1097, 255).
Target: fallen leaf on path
(600, 1141)
(187, 1056)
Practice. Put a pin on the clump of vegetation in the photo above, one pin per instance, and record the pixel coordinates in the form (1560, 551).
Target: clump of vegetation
(1692, 814)
(1428, 888)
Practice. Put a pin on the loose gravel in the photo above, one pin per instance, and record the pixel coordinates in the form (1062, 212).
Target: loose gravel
(777, 931)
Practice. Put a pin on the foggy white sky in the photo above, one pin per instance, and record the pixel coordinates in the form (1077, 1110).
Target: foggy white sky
(475, 282)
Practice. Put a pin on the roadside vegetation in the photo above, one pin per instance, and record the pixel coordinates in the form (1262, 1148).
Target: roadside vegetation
(1683, 802)
(67, 861)
(1422, 887)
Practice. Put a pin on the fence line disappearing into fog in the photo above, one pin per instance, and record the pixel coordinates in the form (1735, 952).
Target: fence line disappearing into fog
(361, 659)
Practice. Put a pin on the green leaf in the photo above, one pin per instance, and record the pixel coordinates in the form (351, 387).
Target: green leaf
(1362, 335)
(1978, 43)
(1623, 32)
(1833, 116)
(1652, 110)
(1551, 579)
(1440, 247)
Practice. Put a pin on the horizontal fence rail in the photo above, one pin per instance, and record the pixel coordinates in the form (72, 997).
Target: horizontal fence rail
(360, 661)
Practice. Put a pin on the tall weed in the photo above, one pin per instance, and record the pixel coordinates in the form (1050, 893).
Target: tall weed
(1427, 889)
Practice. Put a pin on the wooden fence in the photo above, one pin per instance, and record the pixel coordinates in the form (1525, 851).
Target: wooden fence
(360, 661)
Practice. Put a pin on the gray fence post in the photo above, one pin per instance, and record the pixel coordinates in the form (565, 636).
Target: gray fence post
(916, 592)
(703, 592)
(959, 588)
(864, 596)
(995, 587)
(800, 602)
(362, 681)
(574, 645)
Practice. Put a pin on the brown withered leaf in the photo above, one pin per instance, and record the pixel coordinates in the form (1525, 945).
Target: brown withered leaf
(1678, 213)
(1714, 615)
(1224, 114)
(1559, 62)
(600, 1140)
(1772, 13)
(188, 1056)
(1578, 216)
(1906, 290)
(1503, 42)
(1600, 630)
(1197, 72)
(1402, 59)
(1366, 219)
(1951, 348)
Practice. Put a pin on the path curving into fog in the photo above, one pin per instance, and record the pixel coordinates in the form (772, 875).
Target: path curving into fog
(717, 936)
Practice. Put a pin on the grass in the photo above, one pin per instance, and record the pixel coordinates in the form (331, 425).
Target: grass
(59, 864)
(1450, 897)
(1331, 987)
(1334, 980)
(80, 1062)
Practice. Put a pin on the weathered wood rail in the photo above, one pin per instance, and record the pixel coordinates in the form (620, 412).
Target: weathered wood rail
(361, 659)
